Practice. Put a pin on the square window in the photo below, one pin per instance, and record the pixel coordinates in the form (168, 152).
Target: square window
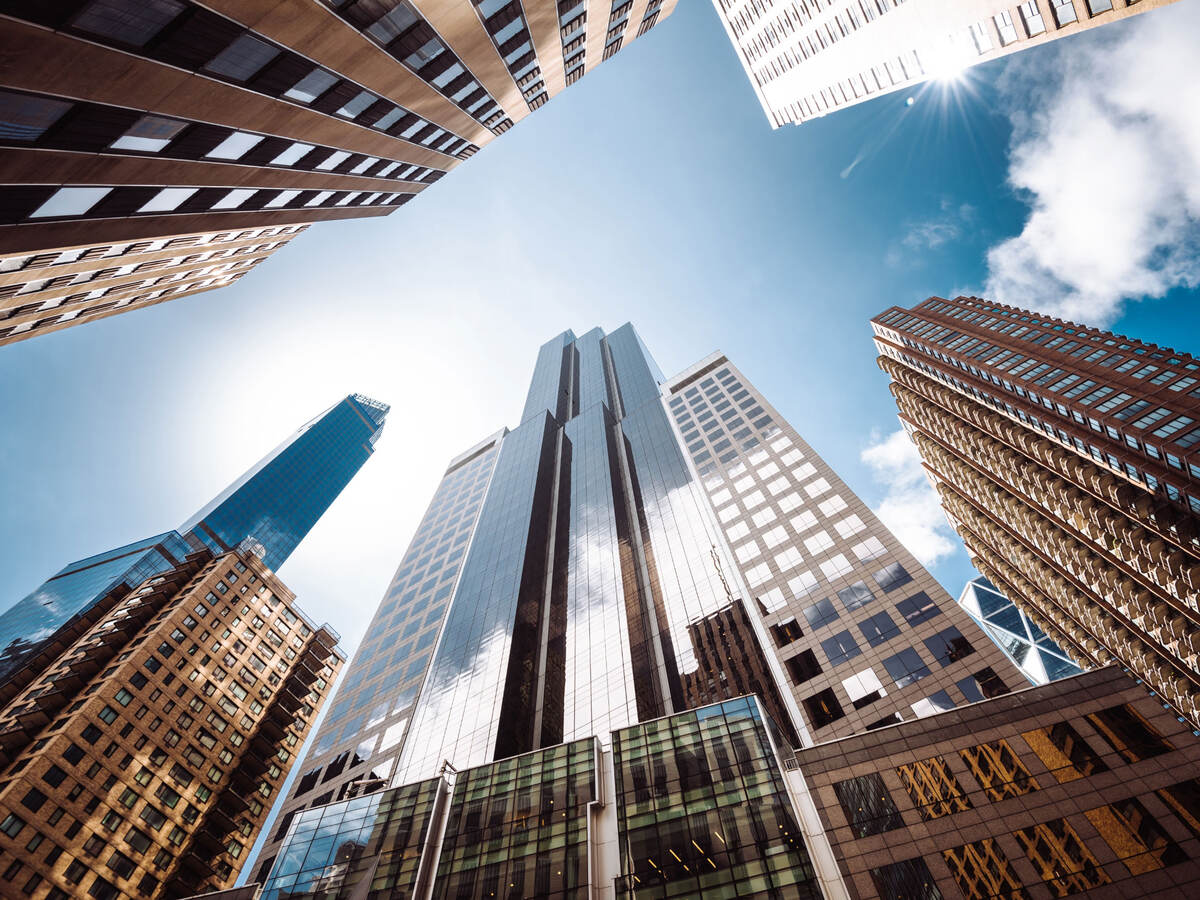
(336, 158)
(784, 632)
(906, 667)
(935, 703)
(907, 880)
(823, 708)
(803, 666)
(949, 646)
(879, 629)
(820, 614)
(917, 608)
(869, 808)
(356, 105)
(891, 577)
(840, 648)
(863, 688)
(856, 596)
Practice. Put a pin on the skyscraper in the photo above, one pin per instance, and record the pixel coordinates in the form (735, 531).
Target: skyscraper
(1064, 456)
(126, 121)
(275, 504)
(143, 758)
(637, 547)
(52, 290)
(1030, 649)
(807, 58)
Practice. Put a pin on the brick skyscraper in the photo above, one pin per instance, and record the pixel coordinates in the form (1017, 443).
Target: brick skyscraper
(127, 122)
(1065, 457)
(144, 756)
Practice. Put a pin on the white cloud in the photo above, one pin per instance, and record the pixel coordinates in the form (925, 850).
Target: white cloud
(1110, 163)
(910, 508)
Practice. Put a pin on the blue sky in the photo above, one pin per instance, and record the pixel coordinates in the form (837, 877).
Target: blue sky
(653, 191)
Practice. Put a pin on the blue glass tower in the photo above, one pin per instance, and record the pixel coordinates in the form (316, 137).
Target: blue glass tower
(274, 504)
(279, 500)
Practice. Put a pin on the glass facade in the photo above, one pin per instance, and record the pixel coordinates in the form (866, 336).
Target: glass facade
(703, 809)
(368, 847)
(71, 592)
(692, 805)
(1030, 649)
(276, 503)
(279, 500)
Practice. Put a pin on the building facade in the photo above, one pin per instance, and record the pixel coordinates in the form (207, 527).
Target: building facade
(592, 569)
(1030, 649)
(1065, 458)
(143, 756)
(1085, 786)
(177, 119)
(275, 503)
(807, 58)
(52, 290)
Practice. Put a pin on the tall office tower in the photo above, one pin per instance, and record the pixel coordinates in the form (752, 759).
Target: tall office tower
(807, 58)
(126, 121)
(51, 290)
(144, 759)
(275, 504)
(574, 577)
(1064, 456)
(1030, 649)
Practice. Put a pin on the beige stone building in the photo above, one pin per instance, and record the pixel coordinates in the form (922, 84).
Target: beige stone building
(142, 751)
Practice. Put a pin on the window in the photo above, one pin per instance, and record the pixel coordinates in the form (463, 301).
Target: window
(311, 86)
(243, 58)
(292, 154)
(823, 708)
(235, 146)
(863, 688)
(998, 770)
(786, 632)
(879, 629)
(337, 157)
(70, 201)
(1064, 12)
(949, 646)
(231, 200)
(840, 648)
(1064, 752)
(1061, 858)
(820, 614)
(907, 880)
(983, 684)
(1004, 25)
(12, 825)
(1128, 732)
(131, 22)
(933, 788)
(803, 666)
(26, 118)
(167, 200)
(855, 596)
(891, 577)
(357, 104)
(983, 863)
(1095, 7)
(33, 799)
(149, 134)
(917, 608)
(868, 806)
(906, 667)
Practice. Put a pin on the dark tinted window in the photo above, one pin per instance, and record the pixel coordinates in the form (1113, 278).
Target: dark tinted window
(868, 805)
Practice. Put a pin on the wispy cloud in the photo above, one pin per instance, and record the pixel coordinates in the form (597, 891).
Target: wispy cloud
(951, 223)
(1109, 160)
(910, 508)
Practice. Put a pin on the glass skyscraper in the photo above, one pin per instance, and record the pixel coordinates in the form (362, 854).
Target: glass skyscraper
(633, 555)
(274, 504)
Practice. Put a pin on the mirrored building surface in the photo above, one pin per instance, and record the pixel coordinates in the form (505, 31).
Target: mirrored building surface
(1031, 649)
(634, 547)
(273, 505)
